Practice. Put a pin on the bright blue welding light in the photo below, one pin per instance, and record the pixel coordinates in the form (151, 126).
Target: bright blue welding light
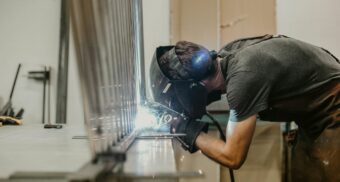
(200, 59)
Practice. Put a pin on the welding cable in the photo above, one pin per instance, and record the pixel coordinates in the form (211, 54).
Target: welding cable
(222, 136)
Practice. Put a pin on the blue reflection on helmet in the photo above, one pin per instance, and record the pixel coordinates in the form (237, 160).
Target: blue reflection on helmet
(200, 62)
(200, 59)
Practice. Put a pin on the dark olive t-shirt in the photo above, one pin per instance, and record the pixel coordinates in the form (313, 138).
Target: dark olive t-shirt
(262, 70)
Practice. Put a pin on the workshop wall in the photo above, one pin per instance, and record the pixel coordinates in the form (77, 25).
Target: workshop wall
(314, 21)
(156, 25)
(29, 34)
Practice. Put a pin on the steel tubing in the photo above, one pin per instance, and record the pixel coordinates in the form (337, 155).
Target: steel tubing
(109, 47)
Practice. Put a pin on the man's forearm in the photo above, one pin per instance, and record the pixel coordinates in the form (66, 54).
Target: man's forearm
(217, 150)
(233, 153)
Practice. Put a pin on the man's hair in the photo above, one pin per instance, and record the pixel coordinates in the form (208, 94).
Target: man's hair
(185, 51)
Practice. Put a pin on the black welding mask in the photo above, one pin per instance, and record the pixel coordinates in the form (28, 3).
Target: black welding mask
(186, 94)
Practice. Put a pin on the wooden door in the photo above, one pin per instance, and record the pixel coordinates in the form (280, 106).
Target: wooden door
(245, 18)
(195, 21)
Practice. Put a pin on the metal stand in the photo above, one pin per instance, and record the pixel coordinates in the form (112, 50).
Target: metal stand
(44, 77)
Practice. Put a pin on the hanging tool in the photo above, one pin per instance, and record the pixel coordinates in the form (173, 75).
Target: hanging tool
(43, 76)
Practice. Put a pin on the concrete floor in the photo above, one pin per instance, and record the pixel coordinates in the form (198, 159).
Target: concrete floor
(32, 148)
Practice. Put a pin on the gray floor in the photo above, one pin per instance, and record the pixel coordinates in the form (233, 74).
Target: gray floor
(31, 148)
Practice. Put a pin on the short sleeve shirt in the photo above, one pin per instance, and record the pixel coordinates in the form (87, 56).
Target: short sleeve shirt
(260, 70)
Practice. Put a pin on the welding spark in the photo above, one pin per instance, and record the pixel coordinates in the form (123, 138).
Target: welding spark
(149, 118)
(145, 119)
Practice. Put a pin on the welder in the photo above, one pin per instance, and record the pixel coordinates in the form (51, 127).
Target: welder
(273, 78)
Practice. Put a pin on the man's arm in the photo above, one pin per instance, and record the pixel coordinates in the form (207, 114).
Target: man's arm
(233, 153)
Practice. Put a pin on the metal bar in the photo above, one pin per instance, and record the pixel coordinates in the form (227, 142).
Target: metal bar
(120, 88)
(116, 101)
(38, 176)
(91, 172)
(131, 70)
(158, 176)
(44, 98)
(63, 63)
(106, 20)
(14, 83)
(139, 49)
(96, 78)
(125, 66)
(103, 72)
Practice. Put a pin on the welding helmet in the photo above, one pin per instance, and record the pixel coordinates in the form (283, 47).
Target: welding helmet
(186, 93)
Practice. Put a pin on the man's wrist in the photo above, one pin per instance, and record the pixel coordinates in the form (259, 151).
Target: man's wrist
(199, 139)
(192, 129)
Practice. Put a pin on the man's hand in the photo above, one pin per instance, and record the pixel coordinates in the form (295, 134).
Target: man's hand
(192, 129)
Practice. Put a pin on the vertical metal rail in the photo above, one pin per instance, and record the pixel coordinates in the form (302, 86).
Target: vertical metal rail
(109, 45)
(121, 29)
(63, 63)
(121, 89)
(116, 77)
(139, 50)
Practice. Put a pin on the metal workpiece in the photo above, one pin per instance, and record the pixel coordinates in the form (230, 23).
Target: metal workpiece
(109, 55)
(63, 63)
(155, 161)
(145, 159)
(137, 159)
(109, 45)
(139, 53)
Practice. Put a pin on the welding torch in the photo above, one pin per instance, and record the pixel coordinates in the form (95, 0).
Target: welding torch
(159, 117)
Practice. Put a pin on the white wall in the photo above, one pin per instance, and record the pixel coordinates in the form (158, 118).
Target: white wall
(29, 34)
(314, 21)
(156, 17)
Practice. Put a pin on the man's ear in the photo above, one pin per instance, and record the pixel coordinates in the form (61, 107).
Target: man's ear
(207, 83)
(214, 81)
